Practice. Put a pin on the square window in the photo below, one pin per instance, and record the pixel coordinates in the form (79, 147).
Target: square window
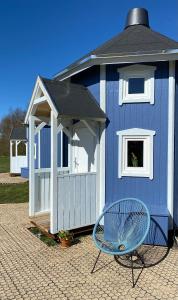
(135, 154)
(136, 85)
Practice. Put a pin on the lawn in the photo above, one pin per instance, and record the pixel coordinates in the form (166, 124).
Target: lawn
(14, 193)
(4, 164)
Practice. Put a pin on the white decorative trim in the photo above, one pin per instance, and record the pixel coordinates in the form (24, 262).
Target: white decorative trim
(170, 159)
(102, 139)
(40, 100)
(136, 71)
(136, 131)
(39, 127)
(32, 106)
(117, 59)
(64, 129)
(136, 134)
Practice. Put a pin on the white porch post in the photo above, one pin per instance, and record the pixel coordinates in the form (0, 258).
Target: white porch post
(11, 143)
(31, 166)
(53, 178)
(16, 148)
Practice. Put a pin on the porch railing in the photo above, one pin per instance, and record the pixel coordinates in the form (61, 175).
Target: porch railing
(77, 204)
(42, 188)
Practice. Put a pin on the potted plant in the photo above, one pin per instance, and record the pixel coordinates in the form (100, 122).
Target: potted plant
(65, 238)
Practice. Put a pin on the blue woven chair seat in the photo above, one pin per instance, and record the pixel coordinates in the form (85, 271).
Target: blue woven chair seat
(122, 227)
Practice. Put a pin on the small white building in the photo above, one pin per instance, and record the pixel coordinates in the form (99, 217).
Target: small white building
(18, 150)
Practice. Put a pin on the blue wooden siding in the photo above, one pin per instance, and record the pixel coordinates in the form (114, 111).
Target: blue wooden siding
(176, 154)
(45, 150)
(91, 79)
(146, 116)
(45, 140)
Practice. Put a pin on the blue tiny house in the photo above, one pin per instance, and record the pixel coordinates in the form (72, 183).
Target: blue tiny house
(117, 107)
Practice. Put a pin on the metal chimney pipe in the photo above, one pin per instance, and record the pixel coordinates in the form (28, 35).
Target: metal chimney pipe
(137, 16)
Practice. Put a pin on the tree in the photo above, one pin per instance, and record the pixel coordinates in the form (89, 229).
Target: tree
(13, 119)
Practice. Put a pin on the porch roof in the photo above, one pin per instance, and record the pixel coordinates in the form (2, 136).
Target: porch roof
(18, 133)
(73, 100)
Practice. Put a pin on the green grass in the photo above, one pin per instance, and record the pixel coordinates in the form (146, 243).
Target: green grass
(47, 240)
(14, 193)
(4, 164)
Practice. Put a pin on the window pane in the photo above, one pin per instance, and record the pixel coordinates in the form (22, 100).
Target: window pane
(136, 85)
(135, 154)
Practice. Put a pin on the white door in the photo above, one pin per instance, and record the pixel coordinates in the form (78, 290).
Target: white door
(84, 151)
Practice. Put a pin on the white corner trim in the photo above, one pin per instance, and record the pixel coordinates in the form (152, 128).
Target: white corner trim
(102, 139)
(170, 159)
(140, 134)
(136, 71)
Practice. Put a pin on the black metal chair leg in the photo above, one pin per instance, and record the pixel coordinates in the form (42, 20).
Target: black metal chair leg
(133, 284)
(140, 258)
(96, 262)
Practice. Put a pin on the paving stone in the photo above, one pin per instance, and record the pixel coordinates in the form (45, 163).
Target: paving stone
(31, 270)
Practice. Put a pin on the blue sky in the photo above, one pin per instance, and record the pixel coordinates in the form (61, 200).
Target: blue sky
(43, 37)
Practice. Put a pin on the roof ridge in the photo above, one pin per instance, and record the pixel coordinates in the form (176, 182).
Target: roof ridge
(77, 85)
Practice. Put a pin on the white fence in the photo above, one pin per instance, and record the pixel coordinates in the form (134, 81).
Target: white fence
(77, 205)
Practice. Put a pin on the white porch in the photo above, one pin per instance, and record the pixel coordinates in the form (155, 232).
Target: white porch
(18, 150)
(70, 195)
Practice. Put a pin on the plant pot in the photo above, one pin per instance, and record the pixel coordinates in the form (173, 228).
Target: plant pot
(65, 243)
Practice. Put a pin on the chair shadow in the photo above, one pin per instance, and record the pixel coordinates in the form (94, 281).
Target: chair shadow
(151, 254)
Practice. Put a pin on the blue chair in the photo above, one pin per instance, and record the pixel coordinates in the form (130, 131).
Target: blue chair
(121, 229)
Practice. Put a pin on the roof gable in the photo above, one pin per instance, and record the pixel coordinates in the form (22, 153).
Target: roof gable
(18, 133)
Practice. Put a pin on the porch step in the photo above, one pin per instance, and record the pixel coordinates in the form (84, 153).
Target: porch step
(43, 223)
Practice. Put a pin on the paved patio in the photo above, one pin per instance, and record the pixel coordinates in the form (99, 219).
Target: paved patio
(5, 178)
(31, 270)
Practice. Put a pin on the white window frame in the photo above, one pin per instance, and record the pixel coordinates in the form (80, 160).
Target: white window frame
(35, 152)
(136, 71)
(136, 134)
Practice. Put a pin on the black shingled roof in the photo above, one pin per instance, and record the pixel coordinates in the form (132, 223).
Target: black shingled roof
(73, 100)
(18, 134)
(136, 39)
